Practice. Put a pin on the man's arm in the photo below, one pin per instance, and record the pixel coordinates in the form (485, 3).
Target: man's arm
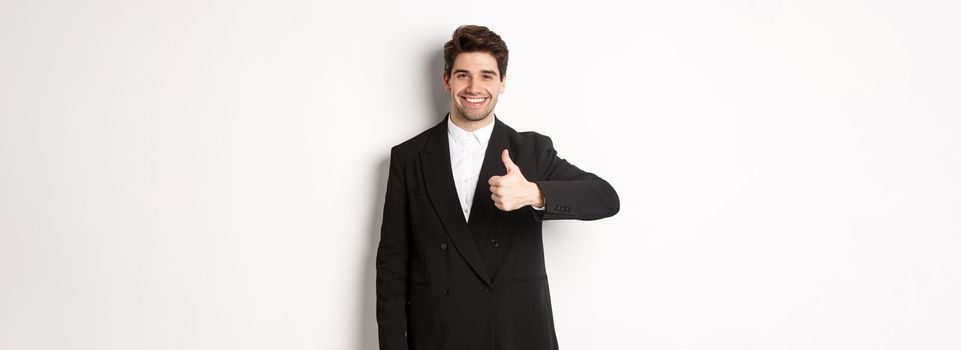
(392, 257)
(569, 192)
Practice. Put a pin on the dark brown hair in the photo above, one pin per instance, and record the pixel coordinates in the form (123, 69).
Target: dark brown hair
(471, 38)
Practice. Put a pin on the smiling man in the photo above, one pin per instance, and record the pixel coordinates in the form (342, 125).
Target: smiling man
(460, 264)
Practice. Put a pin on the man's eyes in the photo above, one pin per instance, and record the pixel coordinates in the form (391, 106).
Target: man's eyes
(485, 76)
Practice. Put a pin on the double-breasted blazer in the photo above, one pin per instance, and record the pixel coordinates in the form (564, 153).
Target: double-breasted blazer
(446, 283)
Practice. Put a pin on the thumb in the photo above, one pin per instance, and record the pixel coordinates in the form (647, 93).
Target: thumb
(508, 163)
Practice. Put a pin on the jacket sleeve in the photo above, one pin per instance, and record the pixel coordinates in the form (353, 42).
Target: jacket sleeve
(569, 192)
(392, 257)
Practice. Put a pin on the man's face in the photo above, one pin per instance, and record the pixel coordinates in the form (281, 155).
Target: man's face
(474, 84)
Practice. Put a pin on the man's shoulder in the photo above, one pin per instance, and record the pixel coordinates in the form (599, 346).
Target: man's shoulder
(415, 144)
(530, 138)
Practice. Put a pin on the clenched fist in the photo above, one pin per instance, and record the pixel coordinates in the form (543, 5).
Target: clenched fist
(512, 191)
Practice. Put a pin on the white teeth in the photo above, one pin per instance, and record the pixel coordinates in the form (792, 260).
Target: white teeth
(474, 100)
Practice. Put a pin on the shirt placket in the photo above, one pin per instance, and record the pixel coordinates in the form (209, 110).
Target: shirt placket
(469, 146)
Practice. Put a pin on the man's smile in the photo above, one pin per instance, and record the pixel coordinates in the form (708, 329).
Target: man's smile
(473, 101)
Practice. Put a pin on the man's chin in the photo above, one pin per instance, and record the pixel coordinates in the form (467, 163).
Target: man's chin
(475, 117)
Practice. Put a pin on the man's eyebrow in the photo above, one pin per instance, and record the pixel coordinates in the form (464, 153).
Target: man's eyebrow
(485, 71)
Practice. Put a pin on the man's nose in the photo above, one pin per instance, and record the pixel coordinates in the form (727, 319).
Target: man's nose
(472, 87)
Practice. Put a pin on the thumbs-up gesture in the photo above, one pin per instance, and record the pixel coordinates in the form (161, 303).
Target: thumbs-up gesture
(512, 190)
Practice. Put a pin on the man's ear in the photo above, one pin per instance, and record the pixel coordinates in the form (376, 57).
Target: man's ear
(503, 84)
(446, 78)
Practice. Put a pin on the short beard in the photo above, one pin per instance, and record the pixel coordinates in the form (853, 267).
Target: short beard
(463, 112)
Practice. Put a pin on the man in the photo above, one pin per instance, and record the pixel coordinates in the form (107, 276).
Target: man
(460, 265)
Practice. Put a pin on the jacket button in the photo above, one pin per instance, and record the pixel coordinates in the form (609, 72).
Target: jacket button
(443, 246)
(495, 243)
(447, 291)
(487, 290)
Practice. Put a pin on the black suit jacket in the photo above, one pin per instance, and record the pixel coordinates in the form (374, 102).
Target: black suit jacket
(444, 283)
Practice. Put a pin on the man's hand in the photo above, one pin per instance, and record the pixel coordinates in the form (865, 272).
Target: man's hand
(512, 191)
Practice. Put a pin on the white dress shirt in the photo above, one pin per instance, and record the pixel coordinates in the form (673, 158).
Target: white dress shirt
(466, 157)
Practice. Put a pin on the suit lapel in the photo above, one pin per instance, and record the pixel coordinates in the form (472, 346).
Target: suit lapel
(439, 180)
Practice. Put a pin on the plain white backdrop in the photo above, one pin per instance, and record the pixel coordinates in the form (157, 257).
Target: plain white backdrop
(210, 174)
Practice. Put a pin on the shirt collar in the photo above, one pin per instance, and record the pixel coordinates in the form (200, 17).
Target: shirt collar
(483, 134)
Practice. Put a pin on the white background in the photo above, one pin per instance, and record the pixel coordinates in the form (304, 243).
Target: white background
(210, 174)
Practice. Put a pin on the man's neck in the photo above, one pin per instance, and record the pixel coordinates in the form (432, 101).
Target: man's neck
(470, 125)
